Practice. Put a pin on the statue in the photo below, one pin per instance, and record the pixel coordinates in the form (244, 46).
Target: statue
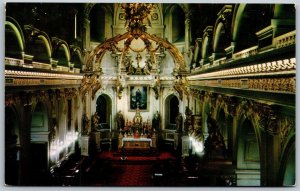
(95, 121)
(156, 121)
(120, 120)
(85, 124)
(137, 119)
(179, 120)
(188, 121)
(214, 145)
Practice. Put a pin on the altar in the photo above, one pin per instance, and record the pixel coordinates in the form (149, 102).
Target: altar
(136, 143)
(137, 134)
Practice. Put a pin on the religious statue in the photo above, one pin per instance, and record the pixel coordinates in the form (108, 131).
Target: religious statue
(179, 121)
(85, 124)
(215, 140)
(156, 87)
(137, 120)
(188, 126)
(156, 121)
(120, 120)
(95, 121)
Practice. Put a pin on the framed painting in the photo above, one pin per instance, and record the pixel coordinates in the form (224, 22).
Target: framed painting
(138, 98)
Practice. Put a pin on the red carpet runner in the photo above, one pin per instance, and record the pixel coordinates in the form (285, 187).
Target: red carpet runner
(131, 175)
(134, 171)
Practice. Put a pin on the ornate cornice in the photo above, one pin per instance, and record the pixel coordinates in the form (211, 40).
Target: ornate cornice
(288, 66)
(31, 74)
(271, 84)
(29, 78)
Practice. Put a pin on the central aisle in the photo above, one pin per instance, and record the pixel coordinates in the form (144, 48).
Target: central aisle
(108, 169)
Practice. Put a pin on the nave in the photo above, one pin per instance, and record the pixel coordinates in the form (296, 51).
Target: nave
(142, 168)
(205, 92)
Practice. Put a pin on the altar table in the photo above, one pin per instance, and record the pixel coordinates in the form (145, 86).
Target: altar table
(136, 143)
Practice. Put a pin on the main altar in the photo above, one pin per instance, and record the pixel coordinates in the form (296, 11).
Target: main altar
(137, 134)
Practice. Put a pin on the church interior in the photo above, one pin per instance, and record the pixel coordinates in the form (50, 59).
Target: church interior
(149, 94)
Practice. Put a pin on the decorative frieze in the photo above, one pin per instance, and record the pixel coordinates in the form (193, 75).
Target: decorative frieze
(274, 84)
(33, 81)
(31, 74)
(287, 65)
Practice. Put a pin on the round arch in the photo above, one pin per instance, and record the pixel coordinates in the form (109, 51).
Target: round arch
(171, 111)
(287, 170)
(220, 40)
(176, 16)
(76, 58)
(40, 117)
(47, 44)
(13, 31)
(104, 109)
(61, 52)
(248, 151)
(205, 46)
(236, 20)
(101, 20)
(39, 47)
(247, 20)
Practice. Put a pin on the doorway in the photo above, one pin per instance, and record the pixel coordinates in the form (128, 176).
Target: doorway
(171, 112)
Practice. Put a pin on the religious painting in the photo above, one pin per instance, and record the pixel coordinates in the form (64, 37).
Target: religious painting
(138, 97)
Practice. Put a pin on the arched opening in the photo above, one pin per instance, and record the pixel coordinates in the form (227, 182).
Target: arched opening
(206, 48)
(287, 171)
(13, 41)
(12, 147)
(76, 59)
(40, 49)
(39, 145)
(39, 121)
(221, 40)
(103, 109)
(178, 26)
(249, 19)
(97, 18)
(248, 156)
(171, 112)
(62, 55)
(289, 178)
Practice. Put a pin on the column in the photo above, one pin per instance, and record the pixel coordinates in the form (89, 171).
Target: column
(187, 31)
(86, 34)
(197, 55)
(188, 53)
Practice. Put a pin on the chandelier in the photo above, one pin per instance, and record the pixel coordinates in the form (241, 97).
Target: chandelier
(137, 15)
